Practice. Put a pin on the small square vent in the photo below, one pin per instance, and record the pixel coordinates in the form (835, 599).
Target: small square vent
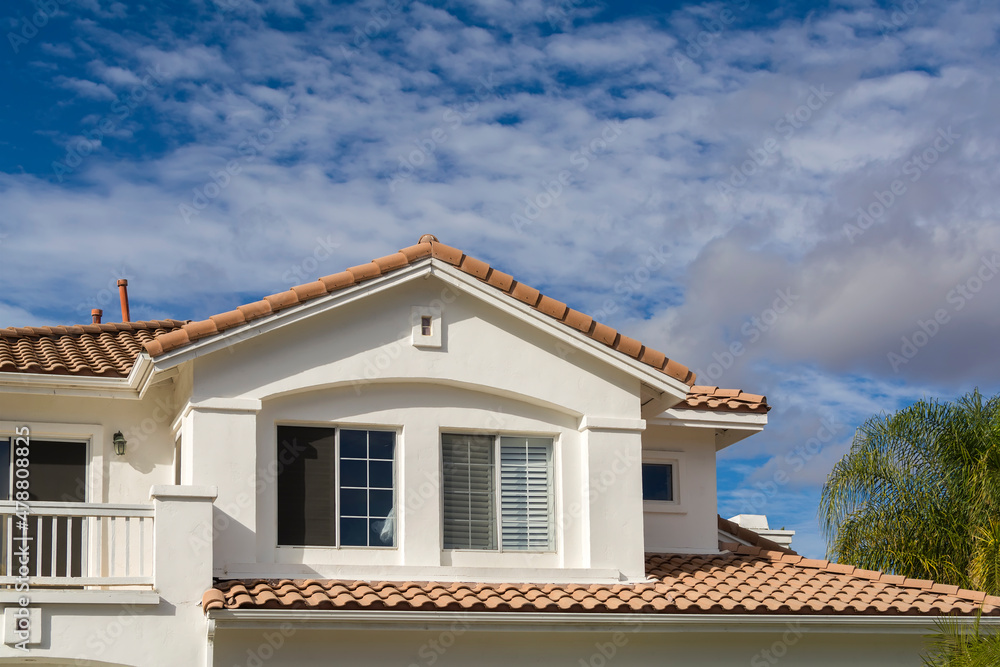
(426, 322)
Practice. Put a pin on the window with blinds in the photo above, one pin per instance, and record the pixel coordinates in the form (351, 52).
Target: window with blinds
(497, 492)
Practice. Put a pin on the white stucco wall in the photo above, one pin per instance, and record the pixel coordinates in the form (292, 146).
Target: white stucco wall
(356, 366)
(691, 526)
(145, 424)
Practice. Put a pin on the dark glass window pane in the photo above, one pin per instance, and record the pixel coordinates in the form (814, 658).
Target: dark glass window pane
(382, 532)
(353, 502)
(353, 473)
(58, 471)
(354, 532)
(380, 474)
(306, 489)
(5, 470)
(657, 481)
(353, 444)
(381, 444)
(381, 503)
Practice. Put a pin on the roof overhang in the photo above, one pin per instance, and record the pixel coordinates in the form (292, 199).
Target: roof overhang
(672, 390)
(239, 619)
(134, 386)
(730, 427)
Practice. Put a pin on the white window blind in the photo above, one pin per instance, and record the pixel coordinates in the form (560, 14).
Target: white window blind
(526, 493)
(521, 518)
(469, 492)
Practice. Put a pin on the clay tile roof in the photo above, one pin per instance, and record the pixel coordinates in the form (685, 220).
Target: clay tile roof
(747, 580)
(427, 246)
(111, 349)
(703, 397)
(104, 350)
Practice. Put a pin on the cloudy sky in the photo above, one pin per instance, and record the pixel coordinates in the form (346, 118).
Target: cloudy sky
(816, 185)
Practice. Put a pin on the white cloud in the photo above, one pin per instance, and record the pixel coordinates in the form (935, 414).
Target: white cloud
(474, 156)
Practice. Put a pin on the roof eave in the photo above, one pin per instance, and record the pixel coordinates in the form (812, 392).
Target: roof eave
(584, 621)
(132, 386)
(730, 426)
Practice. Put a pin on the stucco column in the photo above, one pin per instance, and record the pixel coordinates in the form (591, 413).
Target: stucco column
(223, 453)
(614, 494)
(181, 562)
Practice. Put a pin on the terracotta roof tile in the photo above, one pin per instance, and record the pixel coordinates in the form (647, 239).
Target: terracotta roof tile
(365, 271)
(756, 582)
(446, 253)
(430, 246)
(106, 350)
(706, 398)
(551, 307)
(500, 280)
(702, 397)
(528, 295)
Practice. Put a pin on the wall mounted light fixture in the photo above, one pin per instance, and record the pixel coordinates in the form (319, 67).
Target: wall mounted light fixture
(119, 442)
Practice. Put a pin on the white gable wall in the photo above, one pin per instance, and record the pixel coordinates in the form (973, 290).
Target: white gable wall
(355, 365)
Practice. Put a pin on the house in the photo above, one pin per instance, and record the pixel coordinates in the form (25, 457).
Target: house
(416, 461)
(759, 525)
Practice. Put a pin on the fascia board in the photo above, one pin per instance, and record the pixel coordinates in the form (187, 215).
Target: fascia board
(581, 622)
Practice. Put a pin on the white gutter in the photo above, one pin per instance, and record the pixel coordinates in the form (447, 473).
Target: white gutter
(580, 622)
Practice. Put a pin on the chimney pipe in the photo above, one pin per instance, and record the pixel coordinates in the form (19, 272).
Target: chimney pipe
(95, 314)
(123, 293)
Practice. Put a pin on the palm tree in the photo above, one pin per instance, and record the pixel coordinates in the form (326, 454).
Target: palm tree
(919, 495)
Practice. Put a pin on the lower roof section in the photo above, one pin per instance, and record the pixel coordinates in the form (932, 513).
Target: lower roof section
(744, 580)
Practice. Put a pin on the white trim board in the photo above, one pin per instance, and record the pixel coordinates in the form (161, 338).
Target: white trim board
(521, 621)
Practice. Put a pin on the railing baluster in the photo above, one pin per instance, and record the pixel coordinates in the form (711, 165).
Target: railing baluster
(39, 539)
(55, 541)
(69, 546)
(142, 546)
(128, 543)
(111, 557)
(8, 544)
(85, 547)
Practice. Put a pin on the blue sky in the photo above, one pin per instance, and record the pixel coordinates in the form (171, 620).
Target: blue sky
(821, 180)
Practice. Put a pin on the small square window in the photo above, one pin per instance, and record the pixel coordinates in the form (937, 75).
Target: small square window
(426, 323)
(658, 482)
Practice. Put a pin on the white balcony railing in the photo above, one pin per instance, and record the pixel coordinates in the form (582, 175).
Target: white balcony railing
(78, 544)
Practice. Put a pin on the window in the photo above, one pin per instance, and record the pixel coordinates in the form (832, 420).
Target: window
(658, 481)
(336, 487)
(58, 470)
(497, 492)
(57, 473)
(426, 322)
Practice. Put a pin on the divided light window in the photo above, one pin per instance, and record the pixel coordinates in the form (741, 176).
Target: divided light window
(497, 492)
(336, 487)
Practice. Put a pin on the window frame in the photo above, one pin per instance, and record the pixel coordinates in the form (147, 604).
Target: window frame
(497, 492)
(675, 461)
(89, 434)
(396, 430)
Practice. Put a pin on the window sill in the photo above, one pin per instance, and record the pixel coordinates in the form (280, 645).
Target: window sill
(663, 507)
